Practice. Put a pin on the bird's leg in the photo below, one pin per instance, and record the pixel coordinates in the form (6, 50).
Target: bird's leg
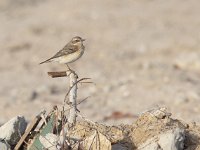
(69, 69)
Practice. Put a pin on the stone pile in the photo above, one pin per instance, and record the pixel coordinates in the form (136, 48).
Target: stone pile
(153, 130)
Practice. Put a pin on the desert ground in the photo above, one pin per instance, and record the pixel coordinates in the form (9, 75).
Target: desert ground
(140, 54)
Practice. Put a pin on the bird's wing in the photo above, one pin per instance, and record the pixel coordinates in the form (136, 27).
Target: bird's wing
(68, 49)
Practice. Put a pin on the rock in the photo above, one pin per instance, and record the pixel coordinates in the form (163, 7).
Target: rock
(171, 140)
(119, 147)
(12, 131)
(95, 141)
(151, 146)
(4, 146)
(50, 141)
(160, 113)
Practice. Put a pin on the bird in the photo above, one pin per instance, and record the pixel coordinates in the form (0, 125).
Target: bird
(69, 53)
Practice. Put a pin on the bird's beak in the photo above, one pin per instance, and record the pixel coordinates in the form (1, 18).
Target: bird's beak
(83, 39)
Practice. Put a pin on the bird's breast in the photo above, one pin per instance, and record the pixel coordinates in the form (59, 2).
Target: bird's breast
(71, 57)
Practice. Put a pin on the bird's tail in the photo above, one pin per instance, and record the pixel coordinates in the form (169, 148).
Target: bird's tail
(46, 61)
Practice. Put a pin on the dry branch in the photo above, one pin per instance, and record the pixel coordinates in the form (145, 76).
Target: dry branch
(72, 97)
(58, 74)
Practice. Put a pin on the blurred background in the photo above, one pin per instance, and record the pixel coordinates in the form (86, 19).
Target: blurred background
(140, 54)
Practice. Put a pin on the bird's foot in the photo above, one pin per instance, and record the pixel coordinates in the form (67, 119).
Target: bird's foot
(71, 71)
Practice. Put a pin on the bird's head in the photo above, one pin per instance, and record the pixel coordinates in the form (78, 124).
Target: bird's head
(77, 40)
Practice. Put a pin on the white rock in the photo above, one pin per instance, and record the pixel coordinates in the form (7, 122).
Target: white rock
(171, 140)
(13, 130)
(4, 146)
(96, 140)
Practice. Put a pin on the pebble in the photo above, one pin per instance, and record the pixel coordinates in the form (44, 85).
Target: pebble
(172, 139)
(4, 146)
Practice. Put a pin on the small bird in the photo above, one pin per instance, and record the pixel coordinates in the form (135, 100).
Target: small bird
(70, 53)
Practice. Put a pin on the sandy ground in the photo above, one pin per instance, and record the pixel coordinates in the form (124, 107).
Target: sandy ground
(140, 54)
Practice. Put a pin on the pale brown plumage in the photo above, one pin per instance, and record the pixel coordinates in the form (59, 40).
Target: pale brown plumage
(70, 53)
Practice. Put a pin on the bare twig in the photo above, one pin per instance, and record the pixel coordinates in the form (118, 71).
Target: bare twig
(98, 139)
(72, 97)
(77, 103)
(73, 86)
(85, 82)
(30, 128)
(93, 140)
